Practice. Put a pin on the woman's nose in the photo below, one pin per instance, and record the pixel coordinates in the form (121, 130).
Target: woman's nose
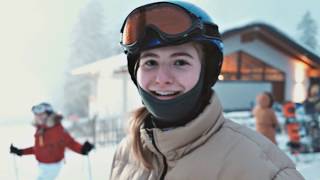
(164, 76)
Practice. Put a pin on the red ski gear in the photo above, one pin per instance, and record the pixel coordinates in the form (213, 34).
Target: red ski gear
(50, 144)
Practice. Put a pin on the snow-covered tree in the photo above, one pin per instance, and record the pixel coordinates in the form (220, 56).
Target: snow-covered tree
(308, 30)
(90, 42)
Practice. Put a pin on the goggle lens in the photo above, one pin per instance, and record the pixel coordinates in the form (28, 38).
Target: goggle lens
(177, 21)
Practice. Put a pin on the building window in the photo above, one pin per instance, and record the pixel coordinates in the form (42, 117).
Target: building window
(242, 66)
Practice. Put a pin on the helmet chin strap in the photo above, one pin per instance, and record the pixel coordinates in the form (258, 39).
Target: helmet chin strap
(178, 111)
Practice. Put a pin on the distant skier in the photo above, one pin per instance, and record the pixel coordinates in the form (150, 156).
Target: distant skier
(51, 140)
(266, 120)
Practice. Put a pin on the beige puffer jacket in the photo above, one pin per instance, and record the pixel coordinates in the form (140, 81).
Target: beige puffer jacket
(208, 148)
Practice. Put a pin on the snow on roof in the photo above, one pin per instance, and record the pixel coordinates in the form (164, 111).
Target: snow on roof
(252, 21)
(284, 37)
(110, 63)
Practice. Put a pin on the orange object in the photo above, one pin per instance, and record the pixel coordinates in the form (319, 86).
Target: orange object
(289, 110)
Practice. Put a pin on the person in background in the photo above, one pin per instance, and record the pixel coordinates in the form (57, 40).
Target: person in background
(174, 55)
(312, 109)
(266, 119)
(51, 140)
(312, 103)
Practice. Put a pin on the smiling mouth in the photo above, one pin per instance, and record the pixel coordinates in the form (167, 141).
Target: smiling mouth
(165, 94)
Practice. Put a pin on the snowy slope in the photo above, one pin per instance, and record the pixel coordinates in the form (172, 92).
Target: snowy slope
(77, 166)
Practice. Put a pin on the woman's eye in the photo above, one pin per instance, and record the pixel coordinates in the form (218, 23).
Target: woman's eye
(181, 63)
(150, 63)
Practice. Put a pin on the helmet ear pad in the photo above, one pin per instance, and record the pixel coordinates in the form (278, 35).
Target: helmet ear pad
(213, 59)
(132, 60)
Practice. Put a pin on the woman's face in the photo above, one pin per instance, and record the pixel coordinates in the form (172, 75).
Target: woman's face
(314, 90)
(168, 72)
(40, 118)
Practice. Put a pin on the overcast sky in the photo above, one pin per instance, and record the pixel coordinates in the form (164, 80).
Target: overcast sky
(35, 39)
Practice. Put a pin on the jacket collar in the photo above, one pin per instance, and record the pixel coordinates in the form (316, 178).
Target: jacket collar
(176, 142)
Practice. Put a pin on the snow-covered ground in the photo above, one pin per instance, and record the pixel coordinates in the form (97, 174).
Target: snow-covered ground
(77, 166)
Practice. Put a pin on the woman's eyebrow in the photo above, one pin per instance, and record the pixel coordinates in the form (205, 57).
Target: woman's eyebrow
(176, 54)
(148, 55)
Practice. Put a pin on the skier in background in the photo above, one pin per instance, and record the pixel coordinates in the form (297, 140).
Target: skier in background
(51, 140)
(266, 120)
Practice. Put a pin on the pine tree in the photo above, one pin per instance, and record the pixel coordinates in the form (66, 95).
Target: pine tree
(89, 43)
(308, 29)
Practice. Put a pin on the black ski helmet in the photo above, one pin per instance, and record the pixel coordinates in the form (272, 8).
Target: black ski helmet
(207, 34)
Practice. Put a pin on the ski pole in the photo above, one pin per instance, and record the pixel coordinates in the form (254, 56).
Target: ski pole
(89, 167)
(15, 167)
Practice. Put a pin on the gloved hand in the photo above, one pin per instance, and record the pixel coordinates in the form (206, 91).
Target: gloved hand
(15, 150)
(86, 148)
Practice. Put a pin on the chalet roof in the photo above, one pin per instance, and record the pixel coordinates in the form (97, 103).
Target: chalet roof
(277, 39)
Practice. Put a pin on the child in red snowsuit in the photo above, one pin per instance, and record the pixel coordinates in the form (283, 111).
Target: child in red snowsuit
(51, 140)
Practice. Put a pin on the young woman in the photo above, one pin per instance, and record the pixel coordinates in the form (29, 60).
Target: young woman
(174, 53)
(51, 140)
(266, 119)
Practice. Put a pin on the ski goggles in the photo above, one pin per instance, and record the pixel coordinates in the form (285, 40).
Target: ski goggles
(41, 108)
(169, 20)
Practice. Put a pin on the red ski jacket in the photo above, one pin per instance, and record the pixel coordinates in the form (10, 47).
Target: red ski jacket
(50, 144)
